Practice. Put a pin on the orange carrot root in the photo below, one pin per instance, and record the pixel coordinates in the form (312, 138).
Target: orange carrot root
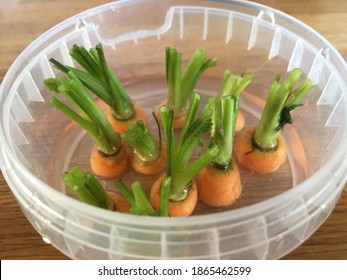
(121, 204)
(122, 125)
(255, 159)
(108, 166)
(219, 188)
(182, 208)
(149, 168)
(240, 122)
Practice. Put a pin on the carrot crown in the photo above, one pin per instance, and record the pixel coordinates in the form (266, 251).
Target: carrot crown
(179, 153)
(181, 85)
(87, 188)
(141, 140)
(281, 100)
(89, 116)
(139, 202)
(100, 79)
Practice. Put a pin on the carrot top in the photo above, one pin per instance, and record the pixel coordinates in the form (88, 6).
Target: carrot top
(281, 100)
(179, 152)
(87, 188)
(139, 202)
(181, 85)
(142, 141)
(223, 128)
(100, 79)
(89, 116)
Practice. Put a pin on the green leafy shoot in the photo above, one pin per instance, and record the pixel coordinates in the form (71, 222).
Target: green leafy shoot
(139, 204)
(141, 140)
(98, 77)
(182, 82)
(222, 133)
(87, 188)
(178, 165)
(233, 85)
(88, 115)
(283, 97)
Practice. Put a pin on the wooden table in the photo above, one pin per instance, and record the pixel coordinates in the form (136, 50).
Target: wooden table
(22, 23)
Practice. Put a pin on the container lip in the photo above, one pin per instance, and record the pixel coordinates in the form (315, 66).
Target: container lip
(155, 221)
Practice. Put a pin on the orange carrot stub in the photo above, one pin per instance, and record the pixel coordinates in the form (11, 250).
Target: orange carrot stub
(149, 168)
(108, 166)
(122, 125)
(182, 208)
(121, 204)
(219, 188)
(179, 116)
(258, 160)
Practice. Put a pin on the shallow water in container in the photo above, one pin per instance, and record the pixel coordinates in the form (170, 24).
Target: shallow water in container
(75, 146)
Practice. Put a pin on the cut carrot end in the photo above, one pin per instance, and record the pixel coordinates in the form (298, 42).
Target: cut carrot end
(240, 121)
(219, 188)
(255, 159)
(178, 120)
(182, 208)
(122, 125)
(150, 168)
(121, 204)
(108, 166)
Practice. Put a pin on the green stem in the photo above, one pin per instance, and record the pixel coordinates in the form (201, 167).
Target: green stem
(140, 139)
(178, 155)
(165, 186)
(89, 115)
(281, 100)
(100, 79)
(87, 188)
(222, 134)
(181, 86)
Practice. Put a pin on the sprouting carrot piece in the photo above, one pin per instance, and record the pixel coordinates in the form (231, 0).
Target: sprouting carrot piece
(220, 183)
(120, 125)
(147, 151)
(182, 82)
(219, 187)
(183, 190)
(256, 159)
(109, 166)
(263, 149)
(182, 208)
(152, 167)
(90, 190)
(96, 75)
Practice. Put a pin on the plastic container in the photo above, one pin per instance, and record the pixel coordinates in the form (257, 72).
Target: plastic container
(276, 212)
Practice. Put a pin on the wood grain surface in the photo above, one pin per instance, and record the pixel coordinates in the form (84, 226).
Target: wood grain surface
(22, 21)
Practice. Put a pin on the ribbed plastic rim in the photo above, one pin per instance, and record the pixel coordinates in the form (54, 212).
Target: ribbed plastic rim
(236, 214)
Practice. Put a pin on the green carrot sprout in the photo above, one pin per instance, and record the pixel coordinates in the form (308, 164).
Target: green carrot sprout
(100, 79)
(181, 85)
(141, 140)
(87, 188)
(139, 202)
(281, 100)
(179, 154)
(222, 132)
(89, 116)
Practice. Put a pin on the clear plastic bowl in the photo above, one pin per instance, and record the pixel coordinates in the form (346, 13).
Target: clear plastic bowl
(275, 213)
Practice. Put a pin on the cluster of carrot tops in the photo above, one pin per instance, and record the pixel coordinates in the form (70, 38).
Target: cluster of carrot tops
(122, 137)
